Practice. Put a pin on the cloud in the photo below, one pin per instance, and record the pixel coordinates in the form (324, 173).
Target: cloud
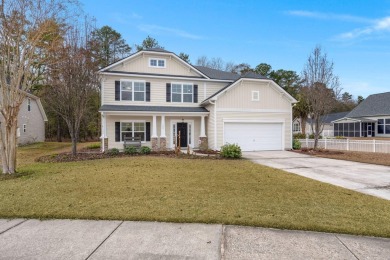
(329, 16)
(379, 26)
(150, 28)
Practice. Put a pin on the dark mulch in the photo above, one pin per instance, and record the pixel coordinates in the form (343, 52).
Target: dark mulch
(364, 157)
(207, 152)
(94, 155)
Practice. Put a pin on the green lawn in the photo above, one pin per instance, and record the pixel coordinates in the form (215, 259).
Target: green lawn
(183, 190)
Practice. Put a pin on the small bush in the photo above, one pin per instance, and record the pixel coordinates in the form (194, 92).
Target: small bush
(296, 144)
(311, 136)
(113, 151)
(299, 136)
(231, 151)
(131, 150)
(145, 150)
(94, 146)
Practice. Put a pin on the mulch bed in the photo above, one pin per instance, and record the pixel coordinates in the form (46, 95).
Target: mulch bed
(364, 157)
(86, 155)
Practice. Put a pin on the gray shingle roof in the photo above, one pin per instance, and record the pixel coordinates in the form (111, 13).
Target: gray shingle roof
(217, 74)
(329, 118)
(156, 50)
(252, 75)
(373, 105)
(108, 108)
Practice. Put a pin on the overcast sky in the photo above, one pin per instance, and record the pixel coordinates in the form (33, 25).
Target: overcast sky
(354, 33)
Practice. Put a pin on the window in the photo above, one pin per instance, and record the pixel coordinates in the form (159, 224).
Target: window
(296, 127)
(24, 128)
(28, 104)
(133, 129)
(133, 90)
(182, 93)
(157, 63)
(255, 95)
(384, 126)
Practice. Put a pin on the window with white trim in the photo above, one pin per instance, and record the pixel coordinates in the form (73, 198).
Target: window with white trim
(24, 128)
(255, 95)
(133, 129)
(157, 63)
(182, 93)
(296, 126)
(133, 90)
(384, 126)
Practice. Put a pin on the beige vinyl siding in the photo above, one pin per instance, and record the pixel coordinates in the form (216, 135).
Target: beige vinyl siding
(240, 96)
(213, 87)
(111, 119)
(34, 121)
(140, 64)
(157, 91)
(237, 104)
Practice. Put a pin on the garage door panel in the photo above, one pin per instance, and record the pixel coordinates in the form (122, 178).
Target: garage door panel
(254, 136)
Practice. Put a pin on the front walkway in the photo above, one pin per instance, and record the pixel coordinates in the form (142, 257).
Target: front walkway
(89, 239)
(362, 177)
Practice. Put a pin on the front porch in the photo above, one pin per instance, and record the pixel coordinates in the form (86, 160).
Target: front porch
(160, 131)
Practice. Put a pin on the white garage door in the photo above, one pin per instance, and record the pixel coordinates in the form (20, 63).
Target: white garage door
(254, 136)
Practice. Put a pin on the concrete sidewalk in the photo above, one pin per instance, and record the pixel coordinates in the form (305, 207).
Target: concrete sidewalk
(87, 239)
(362, 177)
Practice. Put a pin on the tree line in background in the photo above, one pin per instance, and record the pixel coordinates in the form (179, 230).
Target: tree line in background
(51, 49)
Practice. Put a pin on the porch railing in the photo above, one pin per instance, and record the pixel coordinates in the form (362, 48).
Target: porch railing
(374, 146)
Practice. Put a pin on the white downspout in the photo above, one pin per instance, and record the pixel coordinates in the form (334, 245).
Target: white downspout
(215, 123)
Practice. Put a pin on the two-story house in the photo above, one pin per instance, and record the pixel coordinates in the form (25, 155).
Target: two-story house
(31, 120)
(154, 95)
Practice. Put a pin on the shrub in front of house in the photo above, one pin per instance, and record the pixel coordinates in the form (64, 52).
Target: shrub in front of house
(113, 151)
(296, 144)
(145, 150)
(131, 150)
(94, 146)
(231, 151)
(299, 136)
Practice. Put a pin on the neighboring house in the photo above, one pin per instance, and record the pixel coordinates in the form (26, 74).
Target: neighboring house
(153, 95)
(327, 120)
(370, 118)
(31, 121)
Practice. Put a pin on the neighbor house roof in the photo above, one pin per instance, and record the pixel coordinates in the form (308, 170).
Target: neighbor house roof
(217, 74)
(329, 118)
(120, 108)
(373, 105)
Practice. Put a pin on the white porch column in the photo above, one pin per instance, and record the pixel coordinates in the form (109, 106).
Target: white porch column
(202, 127)
(154, 132)
(162, 126)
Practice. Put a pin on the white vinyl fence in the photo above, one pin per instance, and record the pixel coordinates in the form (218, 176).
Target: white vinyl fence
(374, 146)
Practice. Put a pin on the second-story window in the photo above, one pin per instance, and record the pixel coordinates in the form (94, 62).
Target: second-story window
(157, 63)
(132, 90)
(182, 93)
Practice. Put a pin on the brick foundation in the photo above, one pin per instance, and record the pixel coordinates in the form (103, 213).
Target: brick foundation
(203, 143)
(154, 141)
(163, 143)
(105, 144)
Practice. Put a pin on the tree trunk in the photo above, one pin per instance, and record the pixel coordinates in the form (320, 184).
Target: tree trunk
(59, 138)
(8, 147)
(303, 125)
(74, 145)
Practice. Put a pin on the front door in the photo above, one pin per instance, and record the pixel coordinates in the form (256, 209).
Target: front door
(369, 130)
(182, 128)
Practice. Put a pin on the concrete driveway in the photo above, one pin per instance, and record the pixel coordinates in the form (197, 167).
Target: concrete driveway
(362, 177)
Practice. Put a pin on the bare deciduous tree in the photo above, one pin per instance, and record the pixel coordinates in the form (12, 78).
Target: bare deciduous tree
(321, 89)
(73, 80)
(25, 27)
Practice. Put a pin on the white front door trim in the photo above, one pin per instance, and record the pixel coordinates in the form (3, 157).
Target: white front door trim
(173, 123)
